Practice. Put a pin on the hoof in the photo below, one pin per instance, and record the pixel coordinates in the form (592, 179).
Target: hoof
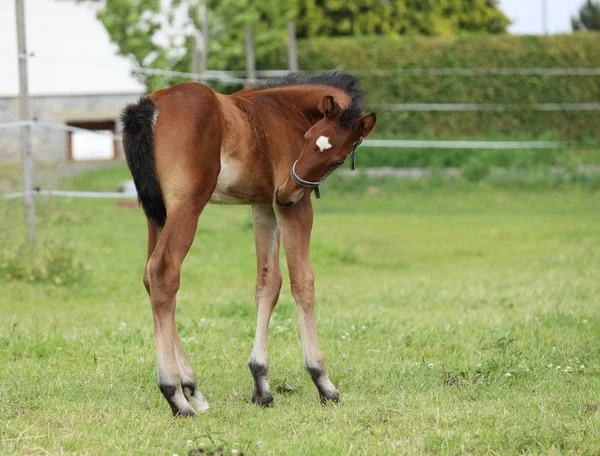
(264, 400)
(177, 400)
(199, 404)
(332, 396)
(187, 412)
(327, 391)
(195, 398)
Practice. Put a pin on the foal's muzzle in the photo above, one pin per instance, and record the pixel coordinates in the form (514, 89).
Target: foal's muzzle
(288, 198)
(315, 184)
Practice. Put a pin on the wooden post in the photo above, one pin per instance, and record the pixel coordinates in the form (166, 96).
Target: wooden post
(205, 38)
(25, 114)
(250, 59)
(292, 50)
(200, 53)
(195, 54)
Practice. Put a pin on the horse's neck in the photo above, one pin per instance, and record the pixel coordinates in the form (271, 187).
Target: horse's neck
(308, 99)
(283, 115)
(300, 102)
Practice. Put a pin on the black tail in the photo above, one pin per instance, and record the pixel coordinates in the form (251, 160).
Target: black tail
(138, 139)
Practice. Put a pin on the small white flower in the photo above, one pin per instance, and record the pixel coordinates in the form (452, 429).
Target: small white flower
(557, 367)
(479, 365)
(203, 320)
(550, 365)
(234, 451)
(430, 364)
(568, 369)
(189, 442)
(584, 321)
(353, 327)
(582, 367)
(363, 327)
(508, 374)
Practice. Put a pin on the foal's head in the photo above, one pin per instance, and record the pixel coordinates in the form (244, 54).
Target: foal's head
(328, 143)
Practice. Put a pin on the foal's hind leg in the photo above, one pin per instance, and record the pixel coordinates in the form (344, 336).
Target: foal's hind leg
(268, 285)
(175, 375)
(296, 225)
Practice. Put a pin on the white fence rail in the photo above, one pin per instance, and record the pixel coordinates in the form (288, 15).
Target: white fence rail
(458, 107)
(392, 143)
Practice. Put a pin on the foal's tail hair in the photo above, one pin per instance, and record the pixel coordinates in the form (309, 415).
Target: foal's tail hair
(138, 141)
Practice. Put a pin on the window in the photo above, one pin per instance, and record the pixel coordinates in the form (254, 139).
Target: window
(92, 145)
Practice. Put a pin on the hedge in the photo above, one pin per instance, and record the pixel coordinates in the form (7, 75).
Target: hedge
(579, 50)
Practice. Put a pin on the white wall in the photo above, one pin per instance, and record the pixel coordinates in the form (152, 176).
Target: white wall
(69, 31)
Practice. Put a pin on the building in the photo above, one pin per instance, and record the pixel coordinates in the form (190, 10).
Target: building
(75, 78)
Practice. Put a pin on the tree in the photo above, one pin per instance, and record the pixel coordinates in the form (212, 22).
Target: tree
(159, 33)
(399, 17)
(589, 16)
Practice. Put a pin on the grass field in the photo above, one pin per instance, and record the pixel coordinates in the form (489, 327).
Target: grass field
(453, 321)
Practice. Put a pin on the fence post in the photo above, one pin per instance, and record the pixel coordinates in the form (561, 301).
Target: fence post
(205, 38)
(250, 59)
(292, 50)
(200, 53)
(25, 114)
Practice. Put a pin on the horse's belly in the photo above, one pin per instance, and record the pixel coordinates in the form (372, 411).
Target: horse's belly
(229, 188)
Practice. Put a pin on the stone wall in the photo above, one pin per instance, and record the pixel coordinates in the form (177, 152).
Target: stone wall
(51, 145)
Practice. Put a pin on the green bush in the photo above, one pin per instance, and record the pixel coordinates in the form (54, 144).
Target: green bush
(579, 50)
(475, 169)
(473, 175)
(374, 157)
(51, 262)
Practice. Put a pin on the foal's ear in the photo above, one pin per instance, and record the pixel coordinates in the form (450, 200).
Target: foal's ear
(329, 107)
(366, 124)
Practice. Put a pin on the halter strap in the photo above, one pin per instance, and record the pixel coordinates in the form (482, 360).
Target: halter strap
(315, 185)
(305, 183)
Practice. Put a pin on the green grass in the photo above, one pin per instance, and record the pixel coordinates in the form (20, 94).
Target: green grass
(426, 300)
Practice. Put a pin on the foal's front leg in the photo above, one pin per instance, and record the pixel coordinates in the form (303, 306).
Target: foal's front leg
(268, 285)
(296, 225)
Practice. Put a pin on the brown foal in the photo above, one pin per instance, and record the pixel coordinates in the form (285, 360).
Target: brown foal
(268, 146)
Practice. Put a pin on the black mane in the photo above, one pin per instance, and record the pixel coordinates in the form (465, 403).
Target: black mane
(338, 79)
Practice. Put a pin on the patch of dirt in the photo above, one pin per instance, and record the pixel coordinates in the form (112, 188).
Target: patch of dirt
(203, 452)
(591, 407)
(372, 190)
(463, 379)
